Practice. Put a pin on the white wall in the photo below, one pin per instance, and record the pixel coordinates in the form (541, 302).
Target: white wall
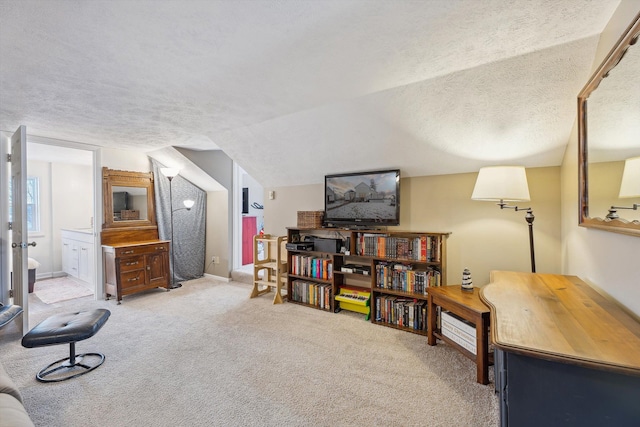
(484, 238)
(608, 261)
(44, 244)
(71, 202)
(66, 201)
(126, 160)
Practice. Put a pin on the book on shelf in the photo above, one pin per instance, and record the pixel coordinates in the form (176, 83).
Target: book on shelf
(315, 294)
(407, 278)
(312, 266)
(425, 248)
(402, 312)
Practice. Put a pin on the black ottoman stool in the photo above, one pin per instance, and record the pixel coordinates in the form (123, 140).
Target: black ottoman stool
(68, 329)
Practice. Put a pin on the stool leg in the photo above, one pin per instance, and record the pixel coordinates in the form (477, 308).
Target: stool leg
(72, 353)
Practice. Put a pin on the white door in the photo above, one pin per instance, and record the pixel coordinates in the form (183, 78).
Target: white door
(19, 234)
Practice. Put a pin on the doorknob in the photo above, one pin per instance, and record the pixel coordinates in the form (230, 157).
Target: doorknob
(23, 245)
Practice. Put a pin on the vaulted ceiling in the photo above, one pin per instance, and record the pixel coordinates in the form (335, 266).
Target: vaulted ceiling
(293, 90)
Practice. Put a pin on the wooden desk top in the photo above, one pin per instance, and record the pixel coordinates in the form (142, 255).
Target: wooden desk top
(561, 318)
(139, 243)
(467, 298)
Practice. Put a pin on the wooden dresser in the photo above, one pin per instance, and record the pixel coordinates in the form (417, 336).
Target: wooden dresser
(135, 266)
(565, 355)
(134, 257)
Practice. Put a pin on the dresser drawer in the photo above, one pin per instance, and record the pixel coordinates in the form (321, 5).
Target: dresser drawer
(132, 278)
(142, 249)
(132, 263)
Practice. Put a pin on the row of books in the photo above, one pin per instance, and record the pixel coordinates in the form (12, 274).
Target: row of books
(401, 277)
(317, 294)
(312, 266)
(404, 312)
(421, 248)
(458, 330)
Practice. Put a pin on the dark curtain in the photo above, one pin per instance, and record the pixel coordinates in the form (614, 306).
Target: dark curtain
(188, 243)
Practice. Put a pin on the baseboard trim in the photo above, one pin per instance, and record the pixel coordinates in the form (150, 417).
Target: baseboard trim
(50, 275)
(222, 279)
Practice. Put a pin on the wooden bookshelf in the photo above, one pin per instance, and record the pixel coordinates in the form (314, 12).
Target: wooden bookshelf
(396, 267)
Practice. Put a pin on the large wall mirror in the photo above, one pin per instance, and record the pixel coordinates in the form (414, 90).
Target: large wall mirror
(609, 140)
(128, 199)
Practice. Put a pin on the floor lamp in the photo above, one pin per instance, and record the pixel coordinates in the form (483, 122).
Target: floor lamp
(629, 186)
(170, 173)
(506, 184)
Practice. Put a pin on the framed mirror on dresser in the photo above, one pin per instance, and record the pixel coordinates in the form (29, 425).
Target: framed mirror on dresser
(134, 257)
(609, 140)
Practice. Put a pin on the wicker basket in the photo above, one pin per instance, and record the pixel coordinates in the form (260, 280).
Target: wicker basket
(310, 219)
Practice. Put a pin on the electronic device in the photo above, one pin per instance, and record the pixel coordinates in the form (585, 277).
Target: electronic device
(120, 201)
(322, 244)
(299, 246)
(362, 198)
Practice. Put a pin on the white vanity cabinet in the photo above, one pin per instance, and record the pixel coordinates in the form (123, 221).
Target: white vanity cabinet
(77, 254)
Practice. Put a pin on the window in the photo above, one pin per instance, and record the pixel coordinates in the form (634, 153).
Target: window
(32, 194)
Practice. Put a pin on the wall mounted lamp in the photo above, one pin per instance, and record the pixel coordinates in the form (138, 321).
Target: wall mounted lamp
(504, 184)
(629, 186)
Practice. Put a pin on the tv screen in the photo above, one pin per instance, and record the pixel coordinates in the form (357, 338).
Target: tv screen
(120, 201)
(362, 198)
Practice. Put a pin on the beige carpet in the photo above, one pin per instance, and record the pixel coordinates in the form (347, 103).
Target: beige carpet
(51, 291)
(208, 355)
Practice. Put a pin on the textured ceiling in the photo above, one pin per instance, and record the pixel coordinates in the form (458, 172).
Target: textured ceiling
(293, 90)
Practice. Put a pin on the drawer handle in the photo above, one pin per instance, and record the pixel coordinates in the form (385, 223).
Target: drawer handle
(84, 249)
(128, 252)
(161, 248)
(133, 263)
(133, 279)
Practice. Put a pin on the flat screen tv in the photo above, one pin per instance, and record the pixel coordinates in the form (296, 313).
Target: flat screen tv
(362, 198)
(120, 201)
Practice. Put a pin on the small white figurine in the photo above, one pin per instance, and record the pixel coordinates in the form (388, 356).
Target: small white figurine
(467, 283)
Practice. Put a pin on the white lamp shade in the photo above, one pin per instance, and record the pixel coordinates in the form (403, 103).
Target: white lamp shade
(189, 203)
(630, 185)
(507, 183)
(169, 172)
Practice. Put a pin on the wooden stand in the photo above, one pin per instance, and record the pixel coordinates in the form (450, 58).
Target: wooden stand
(467, 305)
(272, 264)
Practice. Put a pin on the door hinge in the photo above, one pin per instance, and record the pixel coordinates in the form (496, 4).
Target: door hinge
(9, 158)
(10, 225)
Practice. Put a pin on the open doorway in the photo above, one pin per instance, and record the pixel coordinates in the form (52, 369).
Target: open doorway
(249, 220)
(62, 265)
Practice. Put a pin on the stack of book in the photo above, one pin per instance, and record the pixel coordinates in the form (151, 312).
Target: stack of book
(403, 312)
(401, 277)
(419, 248)
(315, 294)
(458, 330)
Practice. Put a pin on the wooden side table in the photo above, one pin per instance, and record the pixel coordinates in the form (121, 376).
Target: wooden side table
(467, 305)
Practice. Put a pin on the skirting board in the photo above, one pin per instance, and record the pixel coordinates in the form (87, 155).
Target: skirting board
(220, 278)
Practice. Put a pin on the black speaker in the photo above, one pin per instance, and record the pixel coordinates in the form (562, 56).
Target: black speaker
(321, 244)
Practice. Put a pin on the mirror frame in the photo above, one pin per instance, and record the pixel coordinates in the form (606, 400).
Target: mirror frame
(117, 178)
(628, 39)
